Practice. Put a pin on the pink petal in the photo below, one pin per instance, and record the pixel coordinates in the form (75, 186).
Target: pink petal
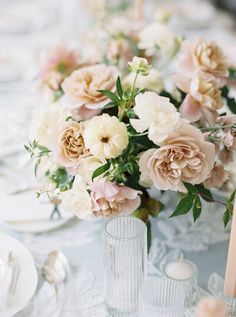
(105, 190)
(182, 82)
(190, 109)
(86, 113)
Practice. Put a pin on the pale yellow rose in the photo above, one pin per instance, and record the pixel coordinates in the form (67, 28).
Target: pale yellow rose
(183, 157)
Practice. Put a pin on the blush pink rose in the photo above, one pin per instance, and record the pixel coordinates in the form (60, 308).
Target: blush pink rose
(56, 64)
(109, 198)
(183, 157)
(202, 55)
(82, 89)
(203, 95)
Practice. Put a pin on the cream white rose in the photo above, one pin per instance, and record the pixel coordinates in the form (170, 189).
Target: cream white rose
(158, 36)
(156, 114)
(46, 124)
(105, 136)
(87, 165)
(77, 200)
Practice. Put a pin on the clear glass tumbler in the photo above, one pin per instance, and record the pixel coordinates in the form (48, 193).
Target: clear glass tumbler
(125, 258)
(161, 297)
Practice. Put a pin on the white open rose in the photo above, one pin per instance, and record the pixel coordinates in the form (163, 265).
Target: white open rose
(87, 165)
(158, 36)
(46, 124)
(157, 115)
(105, 136)
(77, 200)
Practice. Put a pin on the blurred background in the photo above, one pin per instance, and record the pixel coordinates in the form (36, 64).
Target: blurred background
(28, 27)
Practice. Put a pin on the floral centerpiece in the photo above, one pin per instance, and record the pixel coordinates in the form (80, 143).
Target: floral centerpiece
(149, 109)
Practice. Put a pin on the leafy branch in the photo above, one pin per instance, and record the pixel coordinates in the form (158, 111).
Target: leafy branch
(37, 151)
(123, 99)
(61, 179)
(192, 201)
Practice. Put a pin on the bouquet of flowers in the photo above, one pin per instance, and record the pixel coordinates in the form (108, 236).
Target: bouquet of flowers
(147, 109)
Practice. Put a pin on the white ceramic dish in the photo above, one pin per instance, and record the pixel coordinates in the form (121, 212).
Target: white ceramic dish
(28, 277)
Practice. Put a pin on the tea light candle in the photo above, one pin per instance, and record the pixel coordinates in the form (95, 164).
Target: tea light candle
(179, 270)
(185, 273)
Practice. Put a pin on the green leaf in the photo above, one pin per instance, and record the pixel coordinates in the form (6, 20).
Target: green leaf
(36, 167)
(69, 118)
(58, 94)
(119, 88)
(197, 208)
(231, 102)
(204, 193)
(109, 105)
(109, 94)
(226, 217)
(184, 206)
(232, 196)
(191, 189)
(43, 148)
(232, 73)
(27, 148)
(100, 170)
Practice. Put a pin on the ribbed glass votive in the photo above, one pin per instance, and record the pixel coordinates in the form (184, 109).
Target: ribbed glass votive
(161, 297)
(125, 257)
(185, 274)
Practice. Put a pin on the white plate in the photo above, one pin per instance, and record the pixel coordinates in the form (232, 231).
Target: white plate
(26, 213)
(28, 278)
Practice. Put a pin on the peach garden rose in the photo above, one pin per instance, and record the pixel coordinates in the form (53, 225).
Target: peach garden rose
(70, 145)
(184, 157)
(82, 89)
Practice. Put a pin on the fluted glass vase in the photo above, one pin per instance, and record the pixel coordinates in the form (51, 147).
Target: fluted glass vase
(125, 257)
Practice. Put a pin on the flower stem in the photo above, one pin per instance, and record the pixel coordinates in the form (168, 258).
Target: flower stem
(135, 135)
(125, 110)
(213, 200)
(218, 128)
